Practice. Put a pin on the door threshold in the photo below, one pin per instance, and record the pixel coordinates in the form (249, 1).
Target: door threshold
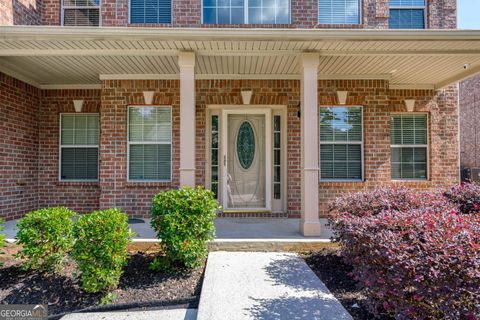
(247, 211)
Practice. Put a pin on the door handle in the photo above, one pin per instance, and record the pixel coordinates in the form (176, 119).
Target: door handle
(224, 160)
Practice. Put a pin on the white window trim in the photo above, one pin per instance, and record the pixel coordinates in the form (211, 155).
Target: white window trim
(360, 15)
(63, 7)
(149, 142)
(60, 147)
(246, 17)
(129, 19)
(361, 143)
(412, 146)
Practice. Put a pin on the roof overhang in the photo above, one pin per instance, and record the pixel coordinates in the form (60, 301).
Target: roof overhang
(62, 57)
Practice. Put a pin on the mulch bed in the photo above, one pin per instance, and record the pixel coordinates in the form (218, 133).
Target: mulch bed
(330, 268)
(139, 286)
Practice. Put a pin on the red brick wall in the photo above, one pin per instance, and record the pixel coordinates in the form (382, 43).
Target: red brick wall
(20, 12)
(19, 108)
(82, 197)
(442, 14)
(51, 12)
(469, 122)
(375, 13)
(133, 197)
(378, 102)
(113, 190)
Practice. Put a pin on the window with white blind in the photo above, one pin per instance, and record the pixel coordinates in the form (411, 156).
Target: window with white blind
(81, 13)
(341, 143)
(339, 11)
(79, 134)
(149, 143)
(245, 12)
(407, 14)
(150, 11)
(409, 146)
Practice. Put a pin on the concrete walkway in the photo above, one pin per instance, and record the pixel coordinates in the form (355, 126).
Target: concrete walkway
(258, 285)
(167, 314)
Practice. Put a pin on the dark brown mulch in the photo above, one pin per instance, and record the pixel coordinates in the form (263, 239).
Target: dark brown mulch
(62, 292)
(330, 268)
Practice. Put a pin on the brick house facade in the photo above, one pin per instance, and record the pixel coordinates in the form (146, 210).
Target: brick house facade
(469, 102)
(30, 117)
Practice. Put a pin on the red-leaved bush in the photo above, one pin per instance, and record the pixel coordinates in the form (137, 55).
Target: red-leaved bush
(466, 196)
(414, 262)
(392, 199)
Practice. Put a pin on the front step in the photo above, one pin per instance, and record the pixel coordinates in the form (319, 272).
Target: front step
(272, 245)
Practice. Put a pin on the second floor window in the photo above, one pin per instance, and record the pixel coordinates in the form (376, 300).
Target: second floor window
(150, 11)
(81, 13)
(407, 14)
(246, 12)
(339, 11)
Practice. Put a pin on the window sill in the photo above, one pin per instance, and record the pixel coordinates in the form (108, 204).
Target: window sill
(78, 183)
(143, 184)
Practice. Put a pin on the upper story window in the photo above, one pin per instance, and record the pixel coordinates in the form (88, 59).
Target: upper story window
(339, 11)
(246, 11)
(79, 135)
(150, 11)
(407, 14)
(341, 143)
(81, 13)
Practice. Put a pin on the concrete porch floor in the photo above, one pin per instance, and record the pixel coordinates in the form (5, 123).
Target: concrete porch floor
(230, 229)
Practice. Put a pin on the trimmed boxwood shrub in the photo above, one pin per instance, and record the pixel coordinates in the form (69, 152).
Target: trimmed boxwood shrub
(100, 248)
(46, 238)
(184, 221)
(421, 263)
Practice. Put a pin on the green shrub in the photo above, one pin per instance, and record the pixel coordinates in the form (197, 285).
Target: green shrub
(46, 238)
(2, 238)
(183, 220)
(100, 248)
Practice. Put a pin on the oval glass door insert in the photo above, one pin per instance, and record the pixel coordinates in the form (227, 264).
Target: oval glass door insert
(245, 145)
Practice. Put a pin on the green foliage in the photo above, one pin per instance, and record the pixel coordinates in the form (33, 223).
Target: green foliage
(46, 238)
(2, 238)
(100, 249)
(108, 298)
(183, 219)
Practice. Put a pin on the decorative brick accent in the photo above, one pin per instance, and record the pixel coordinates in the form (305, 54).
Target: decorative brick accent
(82, 197)
(469, 122)
(19, 108)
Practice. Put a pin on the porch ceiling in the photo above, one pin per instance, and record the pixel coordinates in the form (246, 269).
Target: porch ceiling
(55, 57)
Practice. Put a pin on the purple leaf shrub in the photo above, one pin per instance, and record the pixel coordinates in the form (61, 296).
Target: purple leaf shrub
(415, 261)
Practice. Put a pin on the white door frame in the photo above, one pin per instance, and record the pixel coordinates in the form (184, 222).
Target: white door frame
(268, 157)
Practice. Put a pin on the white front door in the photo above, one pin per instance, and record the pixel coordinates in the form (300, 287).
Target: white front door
(246, 159)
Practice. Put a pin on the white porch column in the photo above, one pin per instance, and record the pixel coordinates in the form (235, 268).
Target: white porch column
(309, 223)
(186, 62)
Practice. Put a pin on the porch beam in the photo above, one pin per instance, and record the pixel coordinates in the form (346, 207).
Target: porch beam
(186, 62)
(309, 222)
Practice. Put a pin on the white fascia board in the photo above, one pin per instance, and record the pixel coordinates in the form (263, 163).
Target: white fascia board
(208, 34)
